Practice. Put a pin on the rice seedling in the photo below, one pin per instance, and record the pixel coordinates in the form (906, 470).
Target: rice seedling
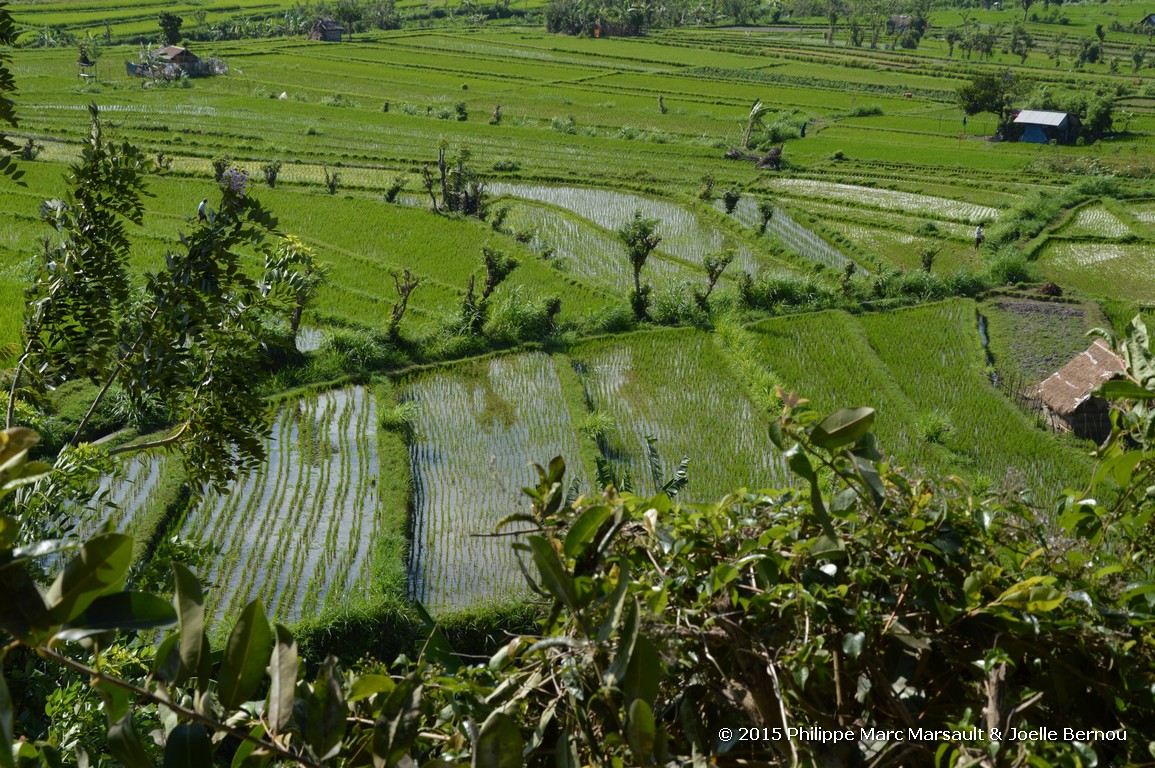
(887, 199)
(1096, 222)
(1123, 271)
(298, 531)
(673, 386)
(478, 426)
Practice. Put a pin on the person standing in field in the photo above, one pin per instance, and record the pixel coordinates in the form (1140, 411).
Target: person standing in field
(979, 236)
(202, 210)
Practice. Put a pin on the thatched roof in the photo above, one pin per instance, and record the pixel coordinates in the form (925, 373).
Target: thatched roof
(175, 53)
(1071, 386)
(328, 25)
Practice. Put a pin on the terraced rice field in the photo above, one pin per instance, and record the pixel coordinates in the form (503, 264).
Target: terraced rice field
(297, 533)
(799, 239)
(1096, 222)
(904, 249)
(477, 428)
(934, 355)
(1125, 271)
(580, 247)
(121, 498)
(675, 387)
(684, 235)
(887, 199)
(918, 366)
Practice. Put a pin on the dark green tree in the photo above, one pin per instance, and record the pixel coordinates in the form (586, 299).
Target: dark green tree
(992, 93)
(191, 336)
(170, 27)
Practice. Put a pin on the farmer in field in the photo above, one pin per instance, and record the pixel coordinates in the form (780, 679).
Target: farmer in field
(979, 236)
(202, 210)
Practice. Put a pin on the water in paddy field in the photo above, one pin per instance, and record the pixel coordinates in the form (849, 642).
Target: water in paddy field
(478, 428)
(297, 532)
(118, 498)
(803, 241)
(309, 339)
(683, 234)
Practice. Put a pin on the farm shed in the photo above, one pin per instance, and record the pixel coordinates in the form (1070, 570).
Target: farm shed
(1068, 402)
(1042, 127)
(329, 30)
(170, 61)
(897, 24)
(1147, 23)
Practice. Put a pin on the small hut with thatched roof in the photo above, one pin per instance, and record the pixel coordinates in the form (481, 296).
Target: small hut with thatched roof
(329, 30)
(1067, 395)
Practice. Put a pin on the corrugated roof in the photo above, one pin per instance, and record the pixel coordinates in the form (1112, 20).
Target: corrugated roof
(1038, 117)
(1069, 387)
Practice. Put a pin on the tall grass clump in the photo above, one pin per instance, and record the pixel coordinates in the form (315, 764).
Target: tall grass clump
(516, 316)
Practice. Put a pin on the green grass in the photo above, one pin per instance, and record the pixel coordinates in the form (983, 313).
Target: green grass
(674, 386)
(934, 355)
(919, 367)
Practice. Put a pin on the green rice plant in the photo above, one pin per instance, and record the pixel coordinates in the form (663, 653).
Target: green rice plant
(1101, 269)
(401, 418)
(933, 354)
(298, 532)
(598, 425)
(673, 386)
(509, 409)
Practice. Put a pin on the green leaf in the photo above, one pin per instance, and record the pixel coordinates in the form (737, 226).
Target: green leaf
(554, 575)
(437, 646)
(1138, 589)
(22, 611)
(188, 747)
(9, 531)
(124, 744)
(640, 731)
(776, 435)
(246, 748)
(644, 672)
(38, 549)
(499, 744)
(370, 685)
(1034, 595)
(190, 608)
(246, 655)
(583, 530)
(120, 610)
(627, 638)
(326, 724)
(1124, 390)
(100, 567)
(283, 671)
(398, 724)
(166, 665)
(842, 427)
(852, 644)
(205, 668)
(617, 603)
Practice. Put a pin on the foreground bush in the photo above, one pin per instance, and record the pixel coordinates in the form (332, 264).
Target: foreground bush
(866, 616)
